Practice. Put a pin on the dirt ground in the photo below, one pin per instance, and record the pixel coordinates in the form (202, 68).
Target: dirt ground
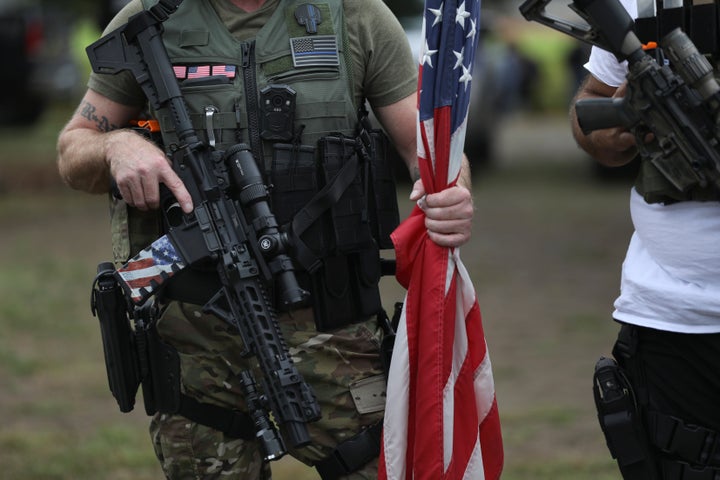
(545, 257)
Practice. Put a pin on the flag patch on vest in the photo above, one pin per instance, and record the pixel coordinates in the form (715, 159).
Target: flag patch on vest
(315, 51)
(183, 72)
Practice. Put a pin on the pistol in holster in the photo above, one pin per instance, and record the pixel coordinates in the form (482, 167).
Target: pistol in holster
(621, 421)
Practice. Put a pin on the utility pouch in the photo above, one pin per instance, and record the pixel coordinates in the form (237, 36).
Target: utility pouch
(345, 290)
(295, 182)
(620, 421)
(384, 214)
(161, 389)
(109, 305)
(350, 214)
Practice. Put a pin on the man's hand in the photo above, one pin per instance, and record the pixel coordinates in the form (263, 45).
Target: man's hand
(448, 214)
(611, 147)
(139, 167)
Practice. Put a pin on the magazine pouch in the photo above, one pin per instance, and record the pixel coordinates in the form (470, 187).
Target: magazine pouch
(345, 290)
(349, 216)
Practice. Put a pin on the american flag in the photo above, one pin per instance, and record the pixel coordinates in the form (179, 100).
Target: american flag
(198, 71)
(441, 419)
(143, 274)
(224, 70)
(315, 51)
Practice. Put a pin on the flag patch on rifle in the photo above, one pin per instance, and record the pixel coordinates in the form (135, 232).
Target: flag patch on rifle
(143, 274)
(183, 72)
(315, 51)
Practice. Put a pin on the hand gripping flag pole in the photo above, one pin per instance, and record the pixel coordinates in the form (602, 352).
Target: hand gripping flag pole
(441, 418)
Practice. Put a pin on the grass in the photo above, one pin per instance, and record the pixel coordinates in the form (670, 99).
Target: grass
(545, 257)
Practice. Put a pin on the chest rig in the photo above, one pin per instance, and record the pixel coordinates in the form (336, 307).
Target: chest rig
(699, 20)
(287, 93)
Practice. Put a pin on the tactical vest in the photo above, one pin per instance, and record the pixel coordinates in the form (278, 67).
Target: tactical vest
(288, 94)
(700, 22)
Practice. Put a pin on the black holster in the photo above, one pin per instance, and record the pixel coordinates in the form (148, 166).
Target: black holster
(134, 355)
(621, 421)
(620, 411)
(109, 305)
(138, 355)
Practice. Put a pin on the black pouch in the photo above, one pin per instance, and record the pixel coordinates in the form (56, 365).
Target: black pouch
(108, 304)
(621, 422)
(161, 389)
(295, 182)
(350, 214)
(345, 290)
(384, 215)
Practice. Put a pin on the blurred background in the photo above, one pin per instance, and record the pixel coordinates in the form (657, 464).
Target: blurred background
(549, 238)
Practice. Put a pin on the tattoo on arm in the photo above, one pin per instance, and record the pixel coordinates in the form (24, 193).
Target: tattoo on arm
(89, 111)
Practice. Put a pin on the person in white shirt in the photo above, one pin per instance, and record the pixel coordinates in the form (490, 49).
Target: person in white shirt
(668, 307)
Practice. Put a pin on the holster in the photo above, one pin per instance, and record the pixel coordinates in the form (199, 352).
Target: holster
(621, 421)
(108, 304)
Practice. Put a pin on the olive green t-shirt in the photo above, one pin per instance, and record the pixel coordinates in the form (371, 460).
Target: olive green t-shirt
(384, 71)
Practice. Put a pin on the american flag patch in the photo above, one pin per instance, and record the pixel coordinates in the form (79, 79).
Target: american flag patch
(315, 51)
(183, 72)
(142, 275)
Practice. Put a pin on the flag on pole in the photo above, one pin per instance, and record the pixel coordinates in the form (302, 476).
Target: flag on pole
(441, 417)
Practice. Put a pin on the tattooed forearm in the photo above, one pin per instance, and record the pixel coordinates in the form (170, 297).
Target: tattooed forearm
(89, 111)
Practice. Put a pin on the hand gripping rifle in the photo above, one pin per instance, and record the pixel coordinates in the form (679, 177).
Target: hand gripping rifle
(678, 102)
(231, 227)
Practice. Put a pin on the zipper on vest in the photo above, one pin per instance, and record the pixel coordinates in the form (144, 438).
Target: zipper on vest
(251, 100)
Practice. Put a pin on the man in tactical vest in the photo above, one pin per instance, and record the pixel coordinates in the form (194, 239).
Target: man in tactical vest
(287, 78)
(658, 398)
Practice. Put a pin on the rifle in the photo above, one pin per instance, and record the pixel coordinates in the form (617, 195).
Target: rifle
(231, 227)
(677, 102)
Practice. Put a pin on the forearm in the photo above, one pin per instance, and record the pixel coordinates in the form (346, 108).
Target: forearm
(81, 159)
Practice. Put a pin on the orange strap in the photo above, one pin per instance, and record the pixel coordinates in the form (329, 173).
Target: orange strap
(152, 125)
(649, 46)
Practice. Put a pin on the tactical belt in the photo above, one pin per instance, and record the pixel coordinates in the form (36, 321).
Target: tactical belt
(675, 470)
(352, 454)
(694, 444)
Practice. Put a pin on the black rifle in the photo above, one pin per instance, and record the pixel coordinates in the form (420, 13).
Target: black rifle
(231, 227)
(678, 102)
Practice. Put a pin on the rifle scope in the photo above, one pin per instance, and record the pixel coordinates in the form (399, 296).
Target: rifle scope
(690, 64)
(273, 244)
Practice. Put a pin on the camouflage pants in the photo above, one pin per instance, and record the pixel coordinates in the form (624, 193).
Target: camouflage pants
(209, 350)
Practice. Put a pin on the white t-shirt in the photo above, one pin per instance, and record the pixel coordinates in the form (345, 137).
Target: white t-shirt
(671, 273)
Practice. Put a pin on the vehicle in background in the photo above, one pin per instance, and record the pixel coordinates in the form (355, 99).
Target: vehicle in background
(37, 65)
(21, 40)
